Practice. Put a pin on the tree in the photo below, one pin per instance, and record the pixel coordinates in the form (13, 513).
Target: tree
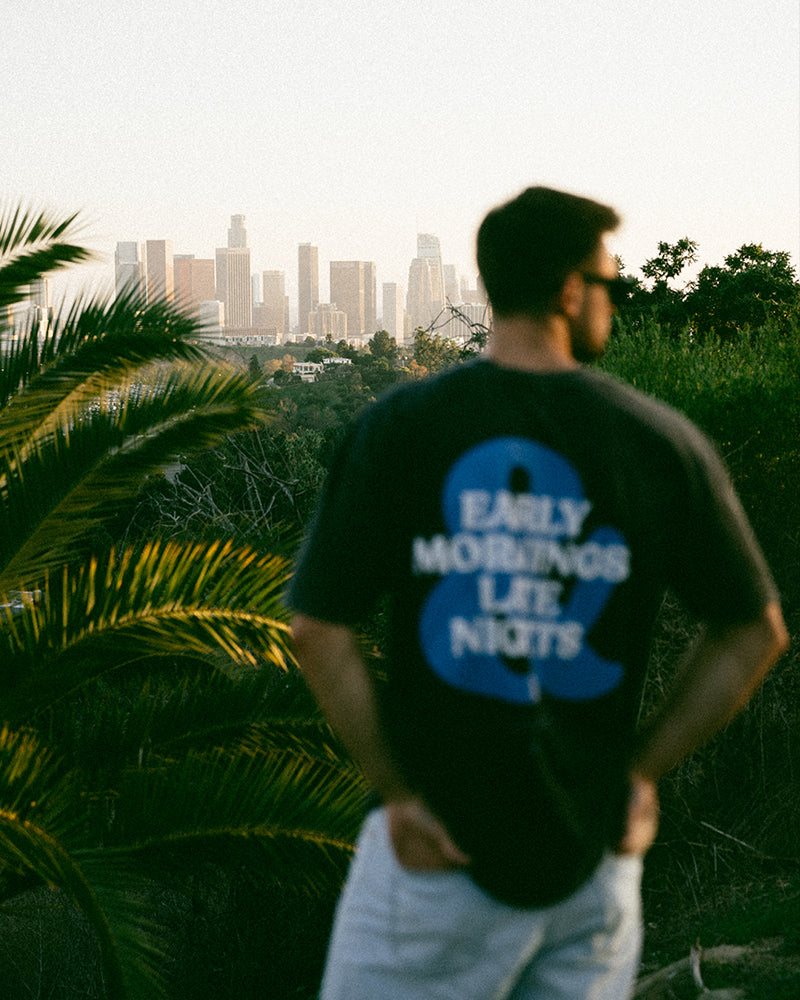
(254, 368)
(433, 352)
(317, 354)
(344, 350)
(138, 733)
(756, 286)
(662, 303)
(383, 346)
(671, 259)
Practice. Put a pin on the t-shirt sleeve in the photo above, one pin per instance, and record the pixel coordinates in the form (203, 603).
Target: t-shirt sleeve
(717, 566)
(344, 565)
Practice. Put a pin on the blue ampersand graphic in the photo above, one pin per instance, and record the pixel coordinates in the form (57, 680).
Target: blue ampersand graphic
(522, 583)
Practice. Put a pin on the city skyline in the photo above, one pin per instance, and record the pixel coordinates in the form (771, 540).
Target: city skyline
(360, 131)
(310, 267)
(252, 297)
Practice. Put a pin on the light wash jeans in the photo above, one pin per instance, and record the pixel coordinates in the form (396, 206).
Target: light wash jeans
(405, 935)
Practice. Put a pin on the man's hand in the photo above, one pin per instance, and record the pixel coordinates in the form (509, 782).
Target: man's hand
(641, 824)
(420, 840)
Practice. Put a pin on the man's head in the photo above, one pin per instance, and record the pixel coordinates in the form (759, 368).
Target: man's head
(528, 246)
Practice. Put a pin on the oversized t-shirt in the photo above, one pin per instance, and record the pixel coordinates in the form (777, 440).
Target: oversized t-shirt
(522, 528)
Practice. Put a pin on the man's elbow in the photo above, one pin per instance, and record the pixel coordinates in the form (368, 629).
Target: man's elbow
(762, 643)
(776, 635)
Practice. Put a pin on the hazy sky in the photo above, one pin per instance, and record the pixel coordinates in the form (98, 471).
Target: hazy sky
(355, 126)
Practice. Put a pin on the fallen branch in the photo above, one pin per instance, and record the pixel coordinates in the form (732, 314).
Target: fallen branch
(658, 985)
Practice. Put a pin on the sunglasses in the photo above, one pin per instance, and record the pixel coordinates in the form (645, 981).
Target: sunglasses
(619, 288)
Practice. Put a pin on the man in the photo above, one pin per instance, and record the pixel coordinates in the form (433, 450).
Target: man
(522, 516)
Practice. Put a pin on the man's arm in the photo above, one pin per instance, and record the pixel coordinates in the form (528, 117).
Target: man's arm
(332, 664)
(718, 677)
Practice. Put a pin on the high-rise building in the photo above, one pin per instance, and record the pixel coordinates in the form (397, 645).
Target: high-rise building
(421, 305)
(39, 293)
(182, 277)
(273, 308)
(370, 299)
(210, 316)
(393, 310)
(307, 284)
(473, 295)
(237, 234)
(233, 287)
(238, 290)
(129, 270)
(426, 296)
(353, 290)
(452, 290)
(429, 248)
(221, 274)
(328, 323)
(194, 281)
(160, 270)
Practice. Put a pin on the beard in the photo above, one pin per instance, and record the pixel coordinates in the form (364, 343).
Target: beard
(586, 349)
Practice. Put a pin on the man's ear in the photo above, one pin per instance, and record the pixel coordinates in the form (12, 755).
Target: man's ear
(570, 298)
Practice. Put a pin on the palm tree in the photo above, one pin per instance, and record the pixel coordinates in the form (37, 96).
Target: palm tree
(150, 713)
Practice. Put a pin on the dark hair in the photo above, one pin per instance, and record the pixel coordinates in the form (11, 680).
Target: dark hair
(528, 246)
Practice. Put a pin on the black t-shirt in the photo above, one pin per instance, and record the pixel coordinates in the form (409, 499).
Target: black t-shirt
(524, 527)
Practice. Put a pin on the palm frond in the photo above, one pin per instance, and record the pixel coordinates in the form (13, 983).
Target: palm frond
(170, 707)
(33, 786)
(298, 815)
(22, 226)
(124, 892)
(83, 355)
(33, 244)
(102, 459)
(197, 599)
(16, 275)
(232, 792)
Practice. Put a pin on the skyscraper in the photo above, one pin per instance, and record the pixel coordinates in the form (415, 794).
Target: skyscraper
(353, 290)
(421, 306)
(307, 284)
(393, 311)
(182, 278)
(160, 271)
(237, 234)
(429, 246)
(129, 270)
(370, 299)
(425, 299)
(238, 290)
(39, 293)
(233, 287)
(194, 281)
(221, 274)
(452, 290)
(328, 323)
(273, 309)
